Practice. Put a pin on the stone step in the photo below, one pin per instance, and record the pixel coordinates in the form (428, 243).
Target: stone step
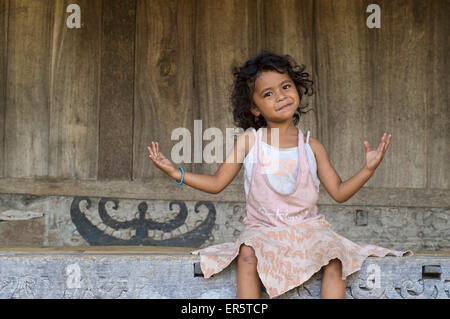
(172, 272)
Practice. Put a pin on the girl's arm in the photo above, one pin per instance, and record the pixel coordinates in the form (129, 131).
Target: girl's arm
(213, 184)
(342, 191)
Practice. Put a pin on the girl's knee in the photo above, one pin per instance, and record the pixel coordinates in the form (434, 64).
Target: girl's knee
(334, 267)
(247, 254)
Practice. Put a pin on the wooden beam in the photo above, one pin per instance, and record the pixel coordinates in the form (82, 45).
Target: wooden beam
(166, 189)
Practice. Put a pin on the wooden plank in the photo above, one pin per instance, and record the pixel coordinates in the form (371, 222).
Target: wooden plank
(163, 83)
(27, 88)
(394, 61)
(443, 253)
(4, 9)
(225, 32)
(101, 250)
(369, 84)
(162, 189)
(75, 71)
(437, 80)
(132, 250)
(290, 31)
(342, 86)
(115, 157)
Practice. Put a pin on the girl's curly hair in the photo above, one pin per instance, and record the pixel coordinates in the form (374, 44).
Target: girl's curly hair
(244, 86)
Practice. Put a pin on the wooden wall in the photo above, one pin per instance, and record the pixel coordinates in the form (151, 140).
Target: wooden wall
(79, 106)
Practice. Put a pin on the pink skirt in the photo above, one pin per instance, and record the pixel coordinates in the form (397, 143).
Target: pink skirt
(289, 256)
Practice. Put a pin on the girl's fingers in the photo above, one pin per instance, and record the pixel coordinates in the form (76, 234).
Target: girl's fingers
(158, 158)
(152, 156)
(157, 148)
(367, 146)
(388, 141)
(155, 151)
(150, 151)
(382, 146)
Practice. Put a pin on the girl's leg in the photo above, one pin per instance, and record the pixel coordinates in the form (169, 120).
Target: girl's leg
(248, 282)
(333, 287)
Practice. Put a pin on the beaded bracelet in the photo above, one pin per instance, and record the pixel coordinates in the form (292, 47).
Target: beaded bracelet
(182, 176)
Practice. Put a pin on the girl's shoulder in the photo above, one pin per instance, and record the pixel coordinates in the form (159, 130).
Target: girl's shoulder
(248, 139)
(317, 147)
(243, 144)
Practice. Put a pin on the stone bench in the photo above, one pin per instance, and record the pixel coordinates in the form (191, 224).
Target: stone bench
(172, 272)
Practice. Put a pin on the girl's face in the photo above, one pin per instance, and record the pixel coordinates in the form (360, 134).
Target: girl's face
(275, 96)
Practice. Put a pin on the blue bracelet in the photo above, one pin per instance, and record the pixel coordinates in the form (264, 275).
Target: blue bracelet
(182, 176)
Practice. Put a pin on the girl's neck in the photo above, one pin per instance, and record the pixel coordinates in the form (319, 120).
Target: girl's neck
(283, 130)
(287, 136)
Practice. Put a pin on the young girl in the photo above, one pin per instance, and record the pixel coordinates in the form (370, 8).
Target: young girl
(285, 240)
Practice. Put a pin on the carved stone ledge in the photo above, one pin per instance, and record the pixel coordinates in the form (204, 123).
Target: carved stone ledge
(140, 272)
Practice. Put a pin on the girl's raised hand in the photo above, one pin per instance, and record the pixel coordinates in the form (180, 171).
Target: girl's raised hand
(160, 160)
(374, 157)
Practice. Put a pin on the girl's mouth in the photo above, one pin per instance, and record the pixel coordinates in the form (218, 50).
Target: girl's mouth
(284, 108)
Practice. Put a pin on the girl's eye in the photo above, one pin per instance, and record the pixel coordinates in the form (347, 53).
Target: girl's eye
(283, 87)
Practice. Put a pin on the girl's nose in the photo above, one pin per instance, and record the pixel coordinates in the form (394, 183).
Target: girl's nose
(281, 96)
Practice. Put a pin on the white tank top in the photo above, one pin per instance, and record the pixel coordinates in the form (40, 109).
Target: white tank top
(283, 178)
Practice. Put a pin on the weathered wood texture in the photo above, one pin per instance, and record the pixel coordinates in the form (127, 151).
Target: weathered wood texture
(164, 78)
(161, 188)
(81, 105)
(115, 154)
(4, 9)
(385, 80)
(225, 35)
(75, 76)
(28, 88)
(436, 93)
(291, 31)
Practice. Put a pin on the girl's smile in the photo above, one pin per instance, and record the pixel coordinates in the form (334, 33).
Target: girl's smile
(284, 108)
